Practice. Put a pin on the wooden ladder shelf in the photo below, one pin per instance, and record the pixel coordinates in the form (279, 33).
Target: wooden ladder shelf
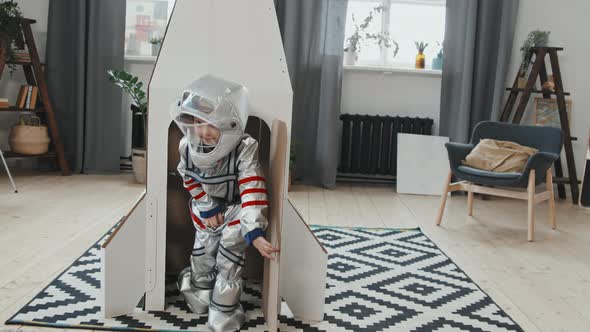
(35, 75)
(539, 69)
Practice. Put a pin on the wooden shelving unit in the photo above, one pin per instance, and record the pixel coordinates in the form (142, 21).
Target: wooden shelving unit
(35, 75)
(539, 70)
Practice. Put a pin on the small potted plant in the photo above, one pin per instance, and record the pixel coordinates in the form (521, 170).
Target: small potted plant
(354, 41)
(10, 31)
(437, 62)
(420, 57)
(131, 84)
(535, 38)
(156, 42)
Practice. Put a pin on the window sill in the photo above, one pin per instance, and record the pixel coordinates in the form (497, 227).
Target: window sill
(393, 70)
(140, 58)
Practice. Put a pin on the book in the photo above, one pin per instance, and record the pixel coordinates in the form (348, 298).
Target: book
(29, 93)
(34, 95)
(20, 99)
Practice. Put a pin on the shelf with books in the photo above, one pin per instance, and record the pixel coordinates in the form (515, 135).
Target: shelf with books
(11, 155)
(17, 109)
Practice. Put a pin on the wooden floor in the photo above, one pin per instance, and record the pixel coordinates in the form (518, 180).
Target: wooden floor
(544, 286)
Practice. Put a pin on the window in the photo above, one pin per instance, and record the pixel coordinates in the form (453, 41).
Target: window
(402, 21)
(145, 19)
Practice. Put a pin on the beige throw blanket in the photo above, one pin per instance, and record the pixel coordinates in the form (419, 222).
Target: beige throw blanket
(499, 156)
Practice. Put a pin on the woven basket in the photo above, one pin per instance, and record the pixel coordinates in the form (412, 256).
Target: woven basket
(29, 137)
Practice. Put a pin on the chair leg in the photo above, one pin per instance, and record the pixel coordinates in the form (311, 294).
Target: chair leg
(551, 200)
(470, 203)
(531, 206)
(443, 199)
(8, 172)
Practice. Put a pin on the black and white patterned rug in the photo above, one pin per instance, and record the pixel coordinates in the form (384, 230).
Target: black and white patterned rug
(378, 280)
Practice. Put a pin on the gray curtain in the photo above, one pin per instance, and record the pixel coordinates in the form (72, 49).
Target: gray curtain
(84, 39)
(477, 48)
(313, 39)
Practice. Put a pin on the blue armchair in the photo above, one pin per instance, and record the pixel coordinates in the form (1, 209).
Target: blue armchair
(547, 140)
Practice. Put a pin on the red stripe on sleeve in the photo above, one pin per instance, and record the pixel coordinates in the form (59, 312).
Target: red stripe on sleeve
(254, 203)
(197, 185)
(235, 222)
(251, 179)
(189, 181)
(253, 191)
(197, 220)
(201, 194)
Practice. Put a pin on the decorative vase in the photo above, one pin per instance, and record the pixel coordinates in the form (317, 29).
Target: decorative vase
(350, 58)
(420, 60)
(437, 63)
(138, 131)
(138, 160)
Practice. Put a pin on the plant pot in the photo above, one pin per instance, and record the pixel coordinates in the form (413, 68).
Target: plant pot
(420, 60)
(155, 49)
(138, 129)
(521, 82)
(437, 63)
(139, 162)
(350, 58)
(29, 139)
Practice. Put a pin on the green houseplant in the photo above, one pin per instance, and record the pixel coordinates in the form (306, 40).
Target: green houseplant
(10, 30)
(535, 38)
(131, 84)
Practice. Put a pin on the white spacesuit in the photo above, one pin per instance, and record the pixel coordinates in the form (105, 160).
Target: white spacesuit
(220, 168)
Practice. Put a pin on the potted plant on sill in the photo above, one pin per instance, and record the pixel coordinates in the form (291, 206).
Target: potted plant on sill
(10, 31)
(131, 84)
(354, 41)
(156, 42)
(420, 57)
(437, 62)
(535, 38)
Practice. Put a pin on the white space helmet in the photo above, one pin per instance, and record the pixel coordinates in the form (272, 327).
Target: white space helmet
(212, 114)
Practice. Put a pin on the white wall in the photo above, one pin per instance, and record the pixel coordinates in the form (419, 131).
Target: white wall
(9, 86)
(403, 93)
(567, 25)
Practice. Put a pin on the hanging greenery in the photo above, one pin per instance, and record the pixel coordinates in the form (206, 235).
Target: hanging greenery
(381, 38)
(534, 38)
(10, 30)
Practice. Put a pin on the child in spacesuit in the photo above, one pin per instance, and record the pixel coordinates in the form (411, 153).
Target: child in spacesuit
(220, 168)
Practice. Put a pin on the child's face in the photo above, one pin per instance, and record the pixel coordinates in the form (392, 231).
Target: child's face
(206, 132)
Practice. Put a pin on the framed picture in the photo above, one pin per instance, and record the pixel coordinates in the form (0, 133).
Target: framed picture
(547, 112)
